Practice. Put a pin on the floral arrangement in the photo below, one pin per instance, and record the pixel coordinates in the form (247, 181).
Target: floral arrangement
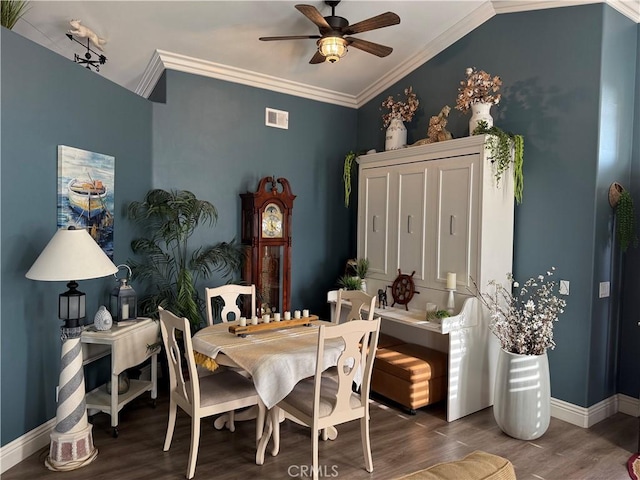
(523, 320)
(478, 87)
(403, 110)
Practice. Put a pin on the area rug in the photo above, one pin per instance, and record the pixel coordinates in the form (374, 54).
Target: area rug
(633, 466)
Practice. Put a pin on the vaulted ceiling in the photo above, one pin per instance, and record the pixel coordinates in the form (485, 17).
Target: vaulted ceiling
(220, 39)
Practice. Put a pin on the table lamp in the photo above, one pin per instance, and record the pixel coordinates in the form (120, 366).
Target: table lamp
(69, 256)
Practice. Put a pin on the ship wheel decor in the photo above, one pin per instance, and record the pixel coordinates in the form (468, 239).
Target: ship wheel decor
(403, 289)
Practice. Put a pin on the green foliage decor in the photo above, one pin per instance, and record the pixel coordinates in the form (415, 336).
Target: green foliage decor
(170, 267)
(362, 267)
(346, 176)
(626, 221)
(349, 282)
(501, 145)
(11, 11)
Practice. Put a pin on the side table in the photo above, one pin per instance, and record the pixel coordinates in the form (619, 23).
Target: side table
(128, 344)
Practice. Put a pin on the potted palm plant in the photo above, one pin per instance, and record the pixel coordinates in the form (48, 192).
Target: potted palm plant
(170, 266)
(11, 11)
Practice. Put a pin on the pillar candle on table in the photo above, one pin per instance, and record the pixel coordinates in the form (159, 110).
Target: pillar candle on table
(451, 281)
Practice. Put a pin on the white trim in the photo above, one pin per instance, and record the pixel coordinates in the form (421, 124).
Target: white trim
(587, 417)
(22, 447)
(150, 76)
(472, 21)
(162, 59)
(625, 7)
(628, 405)
(183, 63)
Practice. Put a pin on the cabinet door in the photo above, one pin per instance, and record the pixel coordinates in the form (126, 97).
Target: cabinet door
(410, 226)
(373, 220)
(456, 242)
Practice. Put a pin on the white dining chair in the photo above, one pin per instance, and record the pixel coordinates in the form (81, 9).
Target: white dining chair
(229, 295)
(358, 299)
(321, 402)
(200, 397)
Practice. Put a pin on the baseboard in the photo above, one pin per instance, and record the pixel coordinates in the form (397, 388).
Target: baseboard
(587, 417)
(22, 447)
(628, 405)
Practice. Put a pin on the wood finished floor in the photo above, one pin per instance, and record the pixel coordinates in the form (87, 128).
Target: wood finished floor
(401, 444)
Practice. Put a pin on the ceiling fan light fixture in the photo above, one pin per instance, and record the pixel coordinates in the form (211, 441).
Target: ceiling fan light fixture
(332, 48)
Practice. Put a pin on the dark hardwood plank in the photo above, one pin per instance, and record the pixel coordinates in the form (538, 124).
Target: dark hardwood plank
(401, 444)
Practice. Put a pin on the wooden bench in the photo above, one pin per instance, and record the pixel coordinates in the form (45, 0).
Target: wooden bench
(411, 375)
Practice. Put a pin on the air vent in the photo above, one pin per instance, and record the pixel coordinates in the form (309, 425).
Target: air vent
(276, 118)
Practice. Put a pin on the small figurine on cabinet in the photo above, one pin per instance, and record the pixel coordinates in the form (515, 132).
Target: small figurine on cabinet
(437, 131)
(382, 298)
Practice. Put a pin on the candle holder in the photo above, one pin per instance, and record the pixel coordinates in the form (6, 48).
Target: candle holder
(451, 304)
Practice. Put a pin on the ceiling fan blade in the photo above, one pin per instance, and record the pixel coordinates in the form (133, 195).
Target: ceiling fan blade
(379, 21)
(314, 15)
(317, 58)
(289, 37)
(369, 47)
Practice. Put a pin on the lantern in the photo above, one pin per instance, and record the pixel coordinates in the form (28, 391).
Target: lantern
(124, 301)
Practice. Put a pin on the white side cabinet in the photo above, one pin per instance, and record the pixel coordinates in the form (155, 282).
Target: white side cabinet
(128, 345)
(429, 210)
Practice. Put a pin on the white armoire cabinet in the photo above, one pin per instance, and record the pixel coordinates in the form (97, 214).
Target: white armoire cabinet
(435, 209)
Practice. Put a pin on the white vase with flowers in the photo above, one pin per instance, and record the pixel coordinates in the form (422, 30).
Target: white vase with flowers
(478, 93)
(399, 112)
(522, 319)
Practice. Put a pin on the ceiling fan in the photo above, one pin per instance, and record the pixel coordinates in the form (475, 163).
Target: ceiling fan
(332, 42)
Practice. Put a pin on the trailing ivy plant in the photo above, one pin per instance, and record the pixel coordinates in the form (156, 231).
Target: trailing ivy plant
(168, 264)
(501, 145)
(346, 176)
(626, 221)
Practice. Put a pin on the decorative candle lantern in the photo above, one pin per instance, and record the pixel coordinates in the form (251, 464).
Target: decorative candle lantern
(124, 301)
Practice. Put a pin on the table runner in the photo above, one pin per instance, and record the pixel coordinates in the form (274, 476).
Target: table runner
(275, 359)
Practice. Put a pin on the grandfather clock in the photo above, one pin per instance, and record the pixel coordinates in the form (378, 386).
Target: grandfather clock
(266, 232)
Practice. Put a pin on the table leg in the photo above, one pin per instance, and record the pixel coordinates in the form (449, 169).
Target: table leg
(114, 403)
(224, 420)
(154, 378)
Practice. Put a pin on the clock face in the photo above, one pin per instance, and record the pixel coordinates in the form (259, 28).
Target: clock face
(272, 222)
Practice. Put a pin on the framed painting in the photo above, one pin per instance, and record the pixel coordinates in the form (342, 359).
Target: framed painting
(85, 193)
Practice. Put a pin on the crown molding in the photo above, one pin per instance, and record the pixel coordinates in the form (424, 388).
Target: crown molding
(162, 60)
(629, 8)
(476, 18)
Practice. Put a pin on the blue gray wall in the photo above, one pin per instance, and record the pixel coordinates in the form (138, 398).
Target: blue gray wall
(210, 138)
(48, 101)
(561, 70)
(628, 378)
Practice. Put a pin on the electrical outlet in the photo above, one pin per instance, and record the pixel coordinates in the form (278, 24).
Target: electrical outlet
(604, 289)
(564, 287)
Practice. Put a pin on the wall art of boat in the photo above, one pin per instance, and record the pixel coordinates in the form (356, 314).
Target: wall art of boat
(87, 198)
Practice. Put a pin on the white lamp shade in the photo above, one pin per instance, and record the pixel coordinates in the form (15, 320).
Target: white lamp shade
(71, 255)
